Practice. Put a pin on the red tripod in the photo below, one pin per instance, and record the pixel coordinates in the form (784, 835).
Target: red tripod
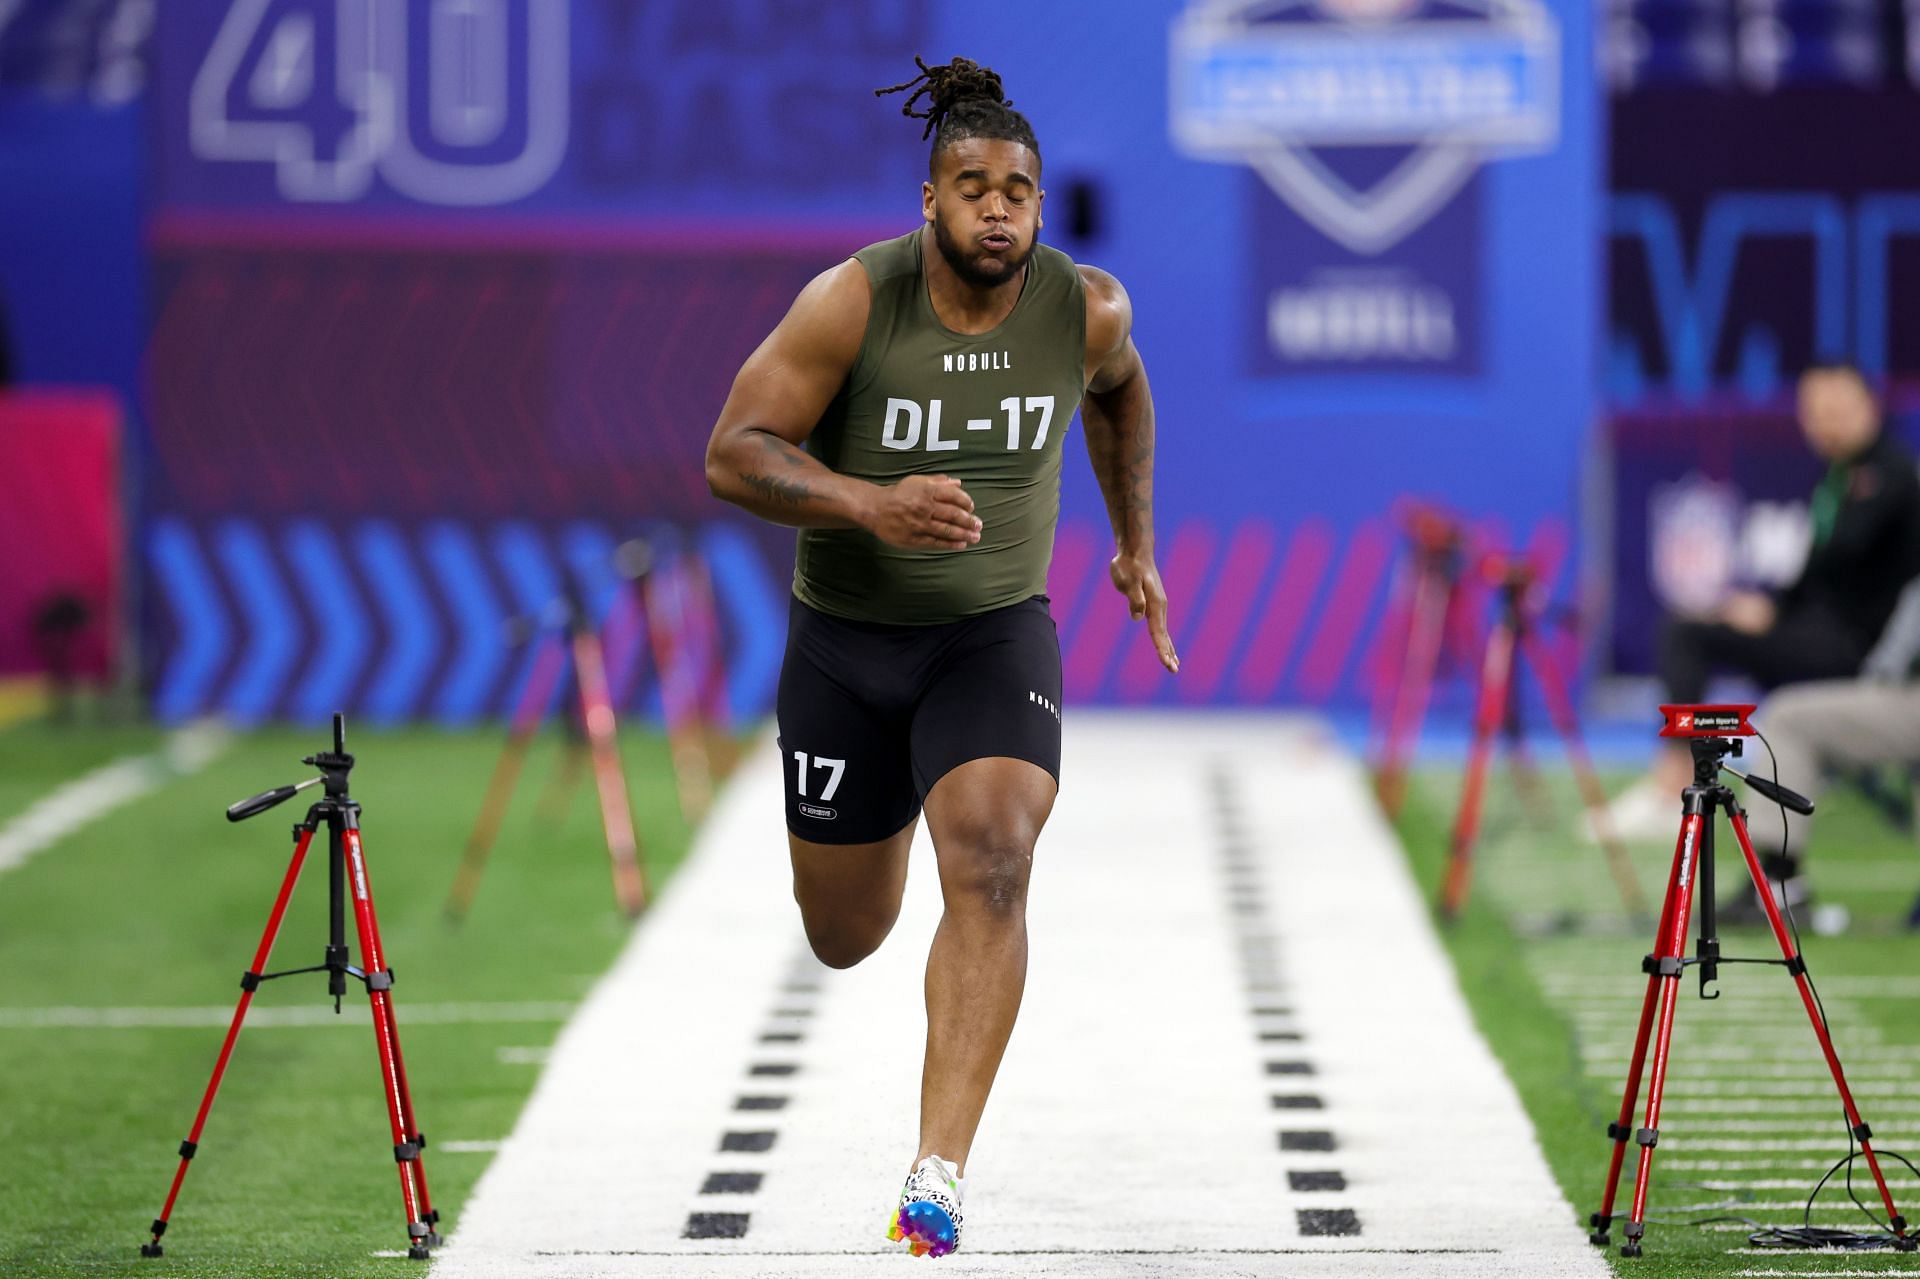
(1428, 582)
(342, 817)
(596, 724)
(1712, 731)
(1513, 637)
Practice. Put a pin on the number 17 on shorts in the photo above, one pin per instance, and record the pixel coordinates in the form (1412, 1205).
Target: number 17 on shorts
(816, 780)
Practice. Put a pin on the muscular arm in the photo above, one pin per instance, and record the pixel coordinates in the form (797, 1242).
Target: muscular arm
(754, 458)
(1118, 416)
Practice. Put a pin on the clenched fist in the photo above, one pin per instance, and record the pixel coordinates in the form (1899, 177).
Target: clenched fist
(925, 512)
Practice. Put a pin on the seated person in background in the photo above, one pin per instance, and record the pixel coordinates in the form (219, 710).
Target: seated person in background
(1866, 546)
(1832, 724)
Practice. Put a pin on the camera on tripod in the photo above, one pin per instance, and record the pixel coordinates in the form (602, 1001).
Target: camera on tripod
(1708, 721)
(1713, 734)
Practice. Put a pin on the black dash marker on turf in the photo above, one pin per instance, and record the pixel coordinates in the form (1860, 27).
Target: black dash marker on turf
(731, 1183)
(1305, 1139)
(773, 1068)
(716, 1225)
(781, 1037)
(1316, 1181)
(1297, 1101)
(760, 1103)
(759, 1141)
(793, 1012)
(1289, 1068)
(1328, 1221)
(1281, 1036)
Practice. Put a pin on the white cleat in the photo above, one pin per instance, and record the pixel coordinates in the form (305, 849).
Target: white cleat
(928, 1217)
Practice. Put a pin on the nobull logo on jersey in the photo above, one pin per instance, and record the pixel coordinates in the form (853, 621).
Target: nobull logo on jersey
(976, 361)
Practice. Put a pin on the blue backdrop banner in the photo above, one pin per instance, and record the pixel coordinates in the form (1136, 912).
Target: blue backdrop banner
(449, 289)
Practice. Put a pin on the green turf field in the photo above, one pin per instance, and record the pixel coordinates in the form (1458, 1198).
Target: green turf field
(123, 945)
(155, 911)
(1551, 967)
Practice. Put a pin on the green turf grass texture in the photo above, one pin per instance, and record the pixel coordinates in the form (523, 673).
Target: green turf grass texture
(161, 904)
(1550, 963)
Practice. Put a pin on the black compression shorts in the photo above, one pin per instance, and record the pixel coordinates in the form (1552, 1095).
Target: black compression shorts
(871, 716)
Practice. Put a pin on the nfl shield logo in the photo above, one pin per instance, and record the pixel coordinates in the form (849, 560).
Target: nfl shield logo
(1449, 83)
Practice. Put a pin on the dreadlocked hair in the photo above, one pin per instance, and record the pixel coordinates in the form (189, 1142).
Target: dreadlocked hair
(963, 100)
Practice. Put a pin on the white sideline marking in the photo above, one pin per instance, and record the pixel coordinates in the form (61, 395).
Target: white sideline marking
(467, 1147)
(1813, 1105)
(1810, 1072)
(1805, 1186)
(1135, 1050)
(1581, 989)
(1744, 1165)
(1795, 1204)
(1838, 1124)
(352, 1013)
(93, 795)
(1748, 1146)
(1713, 1087)
(1755, 1057)
(1813, 1274)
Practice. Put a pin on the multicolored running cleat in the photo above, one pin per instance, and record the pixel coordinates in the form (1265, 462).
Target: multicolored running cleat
(929, 1217)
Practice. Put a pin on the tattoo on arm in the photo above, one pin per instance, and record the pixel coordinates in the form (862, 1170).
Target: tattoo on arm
(780, 491)
(780, 481)
(784, 491)
(789, 454)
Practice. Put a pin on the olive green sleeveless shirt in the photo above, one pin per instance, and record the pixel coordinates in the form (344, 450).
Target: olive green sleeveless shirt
(989, 409)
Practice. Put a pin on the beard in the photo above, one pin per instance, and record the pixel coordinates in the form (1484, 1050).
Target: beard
(973, 268)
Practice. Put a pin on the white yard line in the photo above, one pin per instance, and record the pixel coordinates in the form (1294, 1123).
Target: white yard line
(1132, 1132)
(1802, 1184)
(93, 795)
(1686, 1164)
(1811, 1087)
(318, 1013)
(1725, 1059)
(1900, 1266)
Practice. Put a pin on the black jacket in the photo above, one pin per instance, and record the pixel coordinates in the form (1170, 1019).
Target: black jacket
(1857, 574)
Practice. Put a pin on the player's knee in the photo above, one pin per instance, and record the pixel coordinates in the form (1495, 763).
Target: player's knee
(837, 952)
(838, 948)
(841, 937)
(995, 874)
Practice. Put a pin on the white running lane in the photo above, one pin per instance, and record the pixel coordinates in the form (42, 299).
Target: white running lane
(93, 795)
(1220, 920)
